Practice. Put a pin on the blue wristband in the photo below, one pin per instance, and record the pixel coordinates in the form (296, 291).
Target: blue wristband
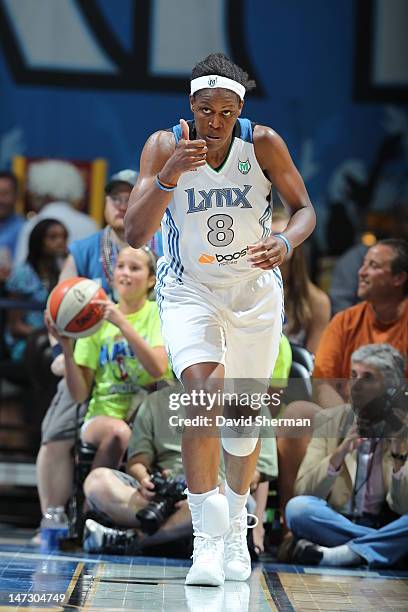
(56, 350)
(286, 241)
(163, 187)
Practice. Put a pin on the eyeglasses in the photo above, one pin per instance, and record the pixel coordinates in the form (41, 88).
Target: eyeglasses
(118, 200)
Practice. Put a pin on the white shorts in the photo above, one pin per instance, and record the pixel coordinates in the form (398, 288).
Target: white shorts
(238, 326)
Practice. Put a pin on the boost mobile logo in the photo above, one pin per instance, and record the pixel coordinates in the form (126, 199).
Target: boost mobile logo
(228, 258)
(206, 259)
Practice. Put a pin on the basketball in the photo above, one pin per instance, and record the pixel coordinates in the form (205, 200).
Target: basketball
(72, 309)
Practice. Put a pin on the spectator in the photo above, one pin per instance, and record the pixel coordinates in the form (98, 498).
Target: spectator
(33, 280)
(10, 222)
(382, 316)
(307, 308)
(356, 464)
(116, 496)
(344, 284)
(88, 257)
(123, 356)
(97, 254)
(56, 187)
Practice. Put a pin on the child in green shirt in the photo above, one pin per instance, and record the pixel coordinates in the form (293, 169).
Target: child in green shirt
(124, 357)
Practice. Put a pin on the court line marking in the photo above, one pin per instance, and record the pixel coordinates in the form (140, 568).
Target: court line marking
(74, 580)
(278, 592)
(267, 593)
(96, 579)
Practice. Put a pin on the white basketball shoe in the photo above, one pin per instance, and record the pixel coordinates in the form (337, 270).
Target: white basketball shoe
(210, 523)
(237, 560)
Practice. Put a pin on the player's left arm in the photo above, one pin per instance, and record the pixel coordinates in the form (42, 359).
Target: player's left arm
(274, 158)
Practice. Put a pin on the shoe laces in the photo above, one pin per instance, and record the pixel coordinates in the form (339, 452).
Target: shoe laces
(114, 538)
(204, 543)
(236, 536)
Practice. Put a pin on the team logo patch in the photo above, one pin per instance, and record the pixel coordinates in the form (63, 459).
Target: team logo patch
(244, 166)
(212, 82)
(206, 259)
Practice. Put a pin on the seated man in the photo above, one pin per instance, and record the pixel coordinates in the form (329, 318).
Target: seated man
(356, 470)
(155, 445)
(382, 316)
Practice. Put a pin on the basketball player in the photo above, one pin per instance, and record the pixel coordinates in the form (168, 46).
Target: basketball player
(219, 288)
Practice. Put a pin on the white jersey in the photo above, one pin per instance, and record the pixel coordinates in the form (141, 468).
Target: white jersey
(215, 214)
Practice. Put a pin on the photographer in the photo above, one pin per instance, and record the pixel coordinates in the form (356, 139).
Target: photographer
(118, 497)
(355, 471)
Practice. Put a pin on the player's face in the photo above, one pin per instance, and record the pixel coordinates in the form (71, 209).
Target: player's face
(215, 113)
(55, 241)
(116, 206)
(132, 277)
(375, 277)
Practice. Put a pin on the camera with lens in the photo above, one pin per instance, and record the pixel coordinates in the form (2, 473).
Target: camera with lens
(169, 491)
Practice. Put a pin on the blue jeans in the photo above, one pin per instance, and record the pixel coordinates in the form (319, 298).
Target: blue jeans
(313, 519)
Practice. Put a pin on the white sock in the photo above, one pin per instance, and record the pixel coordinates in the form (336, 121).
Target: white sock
(339, 556)
(195, 502)
(236, 502)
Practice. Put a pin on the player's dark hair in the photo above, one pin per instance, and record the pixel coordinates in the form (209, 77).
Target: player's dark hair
(218, 63)
(36, 250)
(400, 262)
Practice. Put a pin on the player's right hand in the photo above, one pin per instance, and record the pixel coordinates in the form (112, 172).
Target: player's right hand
(188, 155)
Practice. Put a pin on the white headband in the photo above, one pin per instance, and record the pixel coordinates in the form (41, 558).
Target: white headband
(214, 80)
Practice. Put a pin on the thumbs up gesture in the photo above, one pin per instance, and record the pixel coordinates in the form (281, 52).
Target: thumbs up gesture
(185, 132)
(188, 155)
(192, 152)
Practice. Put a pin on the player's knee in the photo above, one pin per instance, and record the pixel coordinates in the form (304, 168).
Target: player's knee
(239, 447)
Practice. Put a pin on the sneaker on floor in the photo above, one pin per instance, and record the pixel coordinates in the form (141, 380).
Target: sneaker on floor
(237, 563)
(208, 561)
(306, 553)
(100, 539)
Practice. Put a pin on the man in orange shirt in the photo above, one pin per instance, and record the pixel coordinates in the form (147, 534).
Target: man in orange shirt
(381, 318)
